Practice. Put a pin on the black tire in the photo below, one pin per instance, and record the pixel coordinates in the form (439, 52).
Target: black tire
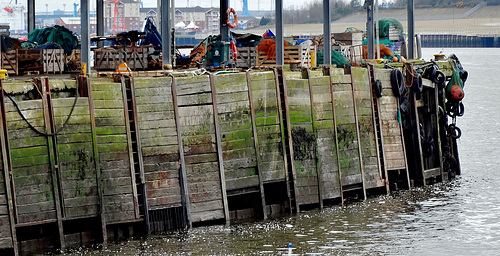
(460, 109)
(439, 78)
(464, 75)
(455, 132)
(418, 84)
(378, 88)
(430, 72)
(397, 83)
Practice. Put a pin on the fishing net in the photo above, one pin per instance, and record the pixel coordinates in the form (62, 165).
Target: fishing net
(337, 59)
(385, 25)
(455, 87)
(269, 47)
(58, 35)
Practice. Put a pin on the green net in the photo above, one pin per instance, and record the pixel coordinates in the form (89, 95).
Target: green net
(337, 58)
(454, 88)
(383, 41)
(385, 25)
(58, 35)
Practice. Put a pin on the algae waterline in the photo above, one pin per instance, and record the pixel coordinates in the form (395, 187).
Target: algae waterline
(97, 160)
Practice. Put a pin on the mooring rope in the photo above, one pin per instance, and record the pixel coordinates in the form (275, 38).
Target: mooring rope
(33, 127)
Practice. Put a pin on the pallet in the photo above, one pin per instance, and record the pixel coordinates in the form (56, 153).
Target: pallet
(293, 55)
(247, 57)
(9, 62)
(109, 58)
(53, 61)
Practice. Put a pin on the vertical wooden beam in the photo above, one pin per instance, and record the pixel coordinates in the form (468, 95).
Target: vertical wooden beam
(219, 149)
(315, 131)
(142, 180)
(353, 88)
(256, 145)
(84, 81)
(376, 108)
(416, 126)
(183, 175)
(48, 114)
(438, 127)
(7, 171)
(282, 131)
(129, 147)
(404, 151)
(335, 133)
(289, 135)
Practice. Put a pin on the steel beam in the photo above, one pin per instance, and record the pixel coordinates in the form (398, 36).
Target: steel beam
(279, 33)
(85, 34)
(411, 30)
(100, 21)
(327, 33)
(369, 28)
(166, 37)
(224, 28)
(31, 15)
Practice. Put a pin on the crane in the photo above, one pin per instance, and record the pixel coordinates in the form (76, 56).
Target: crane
(245, 8)
(117, 17)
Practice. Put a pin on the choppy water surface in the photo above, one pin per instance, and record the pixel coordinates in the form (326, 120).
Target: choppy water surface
(461, 217)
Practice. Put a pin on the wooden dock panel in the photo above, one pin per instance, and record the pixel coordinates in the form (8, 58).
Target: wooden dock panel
(118, 188)
(267, 123)
(240, 160)
(303, 141)
(325, 137)
(76, 160)
(198, 138)
(362, 89)
(159, 141)
(5, 225)
(391, 128)
(346, 131)
(34, 195)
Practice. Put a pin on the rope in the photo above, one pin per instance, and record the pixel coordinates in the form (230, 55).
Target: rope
(412, 77)
(34, 128)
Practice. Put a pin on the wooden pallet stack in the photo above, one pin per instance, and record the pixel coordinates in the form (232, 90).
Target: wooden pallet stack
(293, 55)
(9, 62)
(109, 58)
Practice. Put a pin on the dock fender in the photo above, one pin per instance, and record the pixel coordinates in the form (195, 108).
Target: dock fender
(397, 83)
(439, 77)
(378, 88)
(418, 84)
(464, 75)
(454, 131)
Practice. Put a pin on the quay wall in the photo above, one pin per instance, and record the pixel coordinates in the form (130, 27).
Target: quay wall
(83, 158)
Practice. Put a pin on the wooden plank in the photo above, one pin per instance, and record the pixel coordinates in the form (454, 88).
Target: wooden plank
(53, 159)
(219, 150)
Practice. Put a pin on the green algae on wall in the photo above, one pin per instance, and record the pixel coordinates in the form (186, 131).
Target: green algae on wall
(240, 159)
(160, 148)
(198, 138)
(369, 153)
(303, 141)
(267, 122)
(324, 126)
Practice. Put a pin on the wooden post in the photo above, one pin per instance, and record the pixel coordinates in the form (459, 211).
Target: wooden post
(183, 176)
(256, 145)
(289, 135)
(129, 147)
(315, 131)
(353, 87)
(219, 149)
(282, 131)
(335, 132)
(438, 126)
(48, 114)
(84, 81)
(7, 171)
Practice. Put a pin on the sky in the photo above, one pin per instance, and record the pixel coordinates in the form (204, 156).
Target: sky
(50, 5)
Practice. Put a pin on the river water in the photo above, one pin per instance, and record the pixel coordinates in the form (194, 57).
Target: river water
(459, 217)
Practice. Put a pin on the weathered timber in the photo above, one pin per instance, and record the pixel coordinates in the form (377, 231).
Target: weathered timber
(324, 126)
(348, 148)
(368, 144)
(111, 137)
(158, 141)
(199, 146)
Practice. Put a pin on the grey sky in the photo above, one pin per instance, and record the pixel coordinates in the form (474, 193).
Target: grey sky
(237, 4)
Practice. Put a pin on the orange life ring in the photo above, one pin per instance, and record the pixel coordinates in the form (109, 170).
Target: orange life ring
(233, 49)
(229, 24)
